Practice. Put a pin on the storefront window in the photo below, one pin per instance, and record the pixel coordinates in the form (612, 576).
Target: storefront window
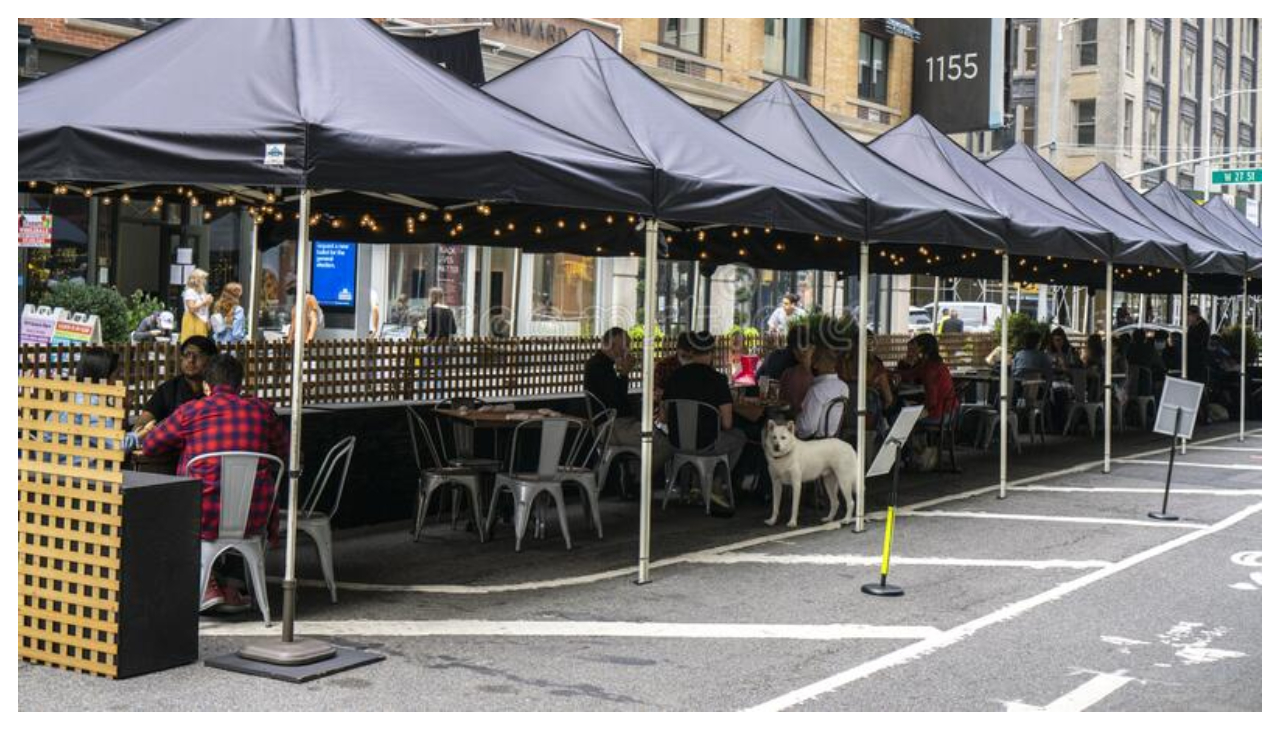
(564, 294)
(68, 258)
(413, 270)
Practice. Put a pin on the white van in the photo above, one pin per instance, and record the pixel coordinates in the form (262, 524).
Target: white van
(977, 316)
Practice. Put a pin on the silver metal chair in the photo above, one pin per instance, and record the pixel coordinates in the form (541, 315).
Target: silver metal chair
(1034, 409)
(1138, 392)
(433, 474)
(611, 452)
(684, 417)
(546, 479)
(831, 426)
(239, 471)
(583, 465)
(316, 523)
(1082, 403)
(463, 452)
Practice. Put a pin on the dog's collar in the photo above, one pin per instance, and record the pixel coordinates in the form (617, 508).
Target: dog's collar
(788, 452)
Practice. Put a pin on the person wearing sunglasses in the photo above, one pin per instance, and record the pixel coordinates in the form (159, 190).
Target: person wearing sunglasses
(194, 355)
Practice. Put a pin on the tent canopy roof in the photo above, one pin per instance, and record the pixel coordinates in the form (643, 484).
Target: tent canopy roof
(1205, 256)
(901, 208)
(1135, 242)
(1168, 198)
(1036, 228)
(706, 173)
(1219, 208)
(346, 105)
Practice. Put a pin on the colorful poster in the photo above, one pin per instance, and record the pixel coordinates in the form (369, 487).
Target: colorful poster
(35, 230)
(37, 325)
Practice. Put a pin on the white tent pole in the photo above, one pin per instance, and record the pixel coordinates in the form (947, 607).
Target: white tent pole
(1244, 353)
(1108, 390)
(1183, 347)
(937, 296)
(1004, 373)
(298, 329)
(251, 323)
(864, 260)
(646, 397)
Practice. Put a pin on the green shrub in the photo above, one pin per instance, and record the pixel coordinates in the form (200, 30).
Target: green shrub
(1231, 339)
(140, 305)
(837, 333)
(636, 333)
(111, 308)
(747, 332)
(1021, 323)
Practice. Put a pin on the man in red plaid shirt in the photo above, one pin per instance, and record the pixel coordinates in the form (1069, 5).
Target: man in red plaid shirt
(224, 420)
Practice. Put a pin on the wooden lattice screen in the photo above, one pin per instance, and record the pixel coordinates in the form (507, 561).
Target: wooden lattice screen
(358, 371)
(69, 522)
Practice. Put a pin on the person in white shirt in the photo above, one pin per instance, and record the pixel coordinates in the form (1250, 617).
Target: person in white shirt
(780, 320)
(827, 386)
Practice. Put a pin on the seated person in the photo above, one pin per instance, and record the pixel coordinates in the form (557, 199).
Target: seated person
(663, 368)
(1172, 352)
(826, 387)
(96, 364)
(606, 377)
(153, 326)
(698, 381)
(795, 380)
(1061, 354)
(195, 354)
(224, 420)
(912, 358)
(940, 399)
(993, 358)
(1030, 362)
(878, 379)
(779, 360)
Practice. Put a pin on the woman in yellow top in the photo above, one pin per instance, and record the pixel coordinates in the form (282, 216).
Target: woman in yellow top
(195, 303)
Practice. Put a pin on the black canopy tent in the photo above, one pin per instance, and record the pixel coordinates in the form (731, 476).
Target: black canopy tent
(1169, 199)
(1220, 209)
(305, 105)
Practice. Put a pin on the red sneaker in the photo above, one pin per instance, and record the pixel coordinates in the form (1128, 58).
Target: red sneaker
(213, 596)
(235, 600)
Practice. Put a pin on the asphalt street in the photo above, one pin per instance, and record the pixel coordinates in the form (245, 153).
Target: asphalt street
(1064, 595)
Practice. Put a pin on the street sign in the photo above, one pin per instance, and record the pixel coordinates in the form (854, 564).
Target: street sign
(1239, 176)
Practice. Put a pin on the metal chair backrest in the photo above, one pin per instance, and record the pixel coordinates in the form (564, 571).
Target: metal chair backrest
(462, 434)
(239, 472)
(1080, 385)
(552, 434)
(337, 461)
(425, 453)
(588, 448)
(684, 417)
(827, 429)
(1034, 392)
(594, 404)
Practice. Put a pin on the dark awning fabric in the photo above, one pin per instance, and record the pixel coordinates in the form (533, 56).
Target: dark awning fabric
(901, 208)
(457, 53)
(1135, 243)
(199, 101)
(1206, 256)
(1035, 227)
(706, 173)
(1218, 208)
(1168, 198)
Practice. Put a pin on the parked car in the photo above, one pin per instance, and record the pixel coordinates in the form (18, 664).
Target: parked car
(919, 320)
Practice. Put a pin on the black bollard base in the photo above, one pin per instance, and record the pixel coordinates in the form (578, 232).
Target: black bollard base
(880, 589)
(1162, 516)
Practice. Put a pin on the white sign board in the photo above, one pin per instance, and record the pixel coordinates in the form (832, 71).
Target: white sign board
(897, 435)
(1178, 394)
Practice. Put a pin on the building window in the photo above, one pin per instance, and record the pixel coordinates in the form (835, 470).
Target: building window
(1085, 121)
(1155, 54)
(786, 47)
(684, 34)
(1152, 133)
(1247, 97)
(1026, 124)
(1087, 43)
(414, 269)
(1190, 71)
(873, 68)
(1220, 29)
(1130, 44)
(1217, 143)
(1027, 38)
(1128, 126)
(1247, 29)
(1186, 137)
(1218, 86)
(564, 291)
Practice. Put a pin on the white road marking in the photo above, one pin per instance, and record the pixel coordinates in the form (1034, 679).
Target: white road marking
(1079, 699)
(1124, 643)
(817, 632)
(1013, 610)
(1192, 641)
(1142, 490)
(454, 589)
(1226, 448)
(1197, 465)
(860, 560)
(1050, 518)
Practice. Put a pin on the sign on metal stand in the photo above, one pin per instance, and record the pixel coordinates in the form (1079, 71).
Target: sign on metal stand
(890, 458)
(1176, 418)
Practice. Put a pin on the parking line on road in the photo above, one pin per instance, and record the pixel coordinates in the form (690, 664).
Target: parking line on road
(1226, 448)
(1013, 610)
(1141, 490)
(860, 560)
(621, 629)
(1197, 465)
(1050, 518)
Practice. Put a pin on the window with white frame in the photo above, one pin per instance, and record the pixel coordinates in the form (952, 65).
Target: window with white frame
(786, 47)
(1130, 44)
(1087, 43)
(1190, 71)
(1085, 115)
(1155, 54)
(1153, 122)
(1127, 137)
(684, 34)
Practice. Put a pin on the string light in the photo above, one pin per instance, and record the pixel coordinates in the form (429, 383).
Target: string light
(537, 230)
(582, 226)
(448, 217)
(124, 198)
(609, 219)
(31, 184)
(422, 217)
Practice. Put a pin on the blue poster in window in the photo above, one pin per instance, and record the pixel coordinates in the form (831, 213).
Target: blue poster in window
(333, 273)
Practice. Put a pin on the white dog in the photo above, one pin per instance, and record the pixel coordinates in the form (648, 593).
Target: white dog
(792, 461)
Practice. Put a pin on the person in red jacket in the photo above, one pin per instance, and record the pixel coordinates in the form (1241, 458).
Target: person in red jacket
(931, 372)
